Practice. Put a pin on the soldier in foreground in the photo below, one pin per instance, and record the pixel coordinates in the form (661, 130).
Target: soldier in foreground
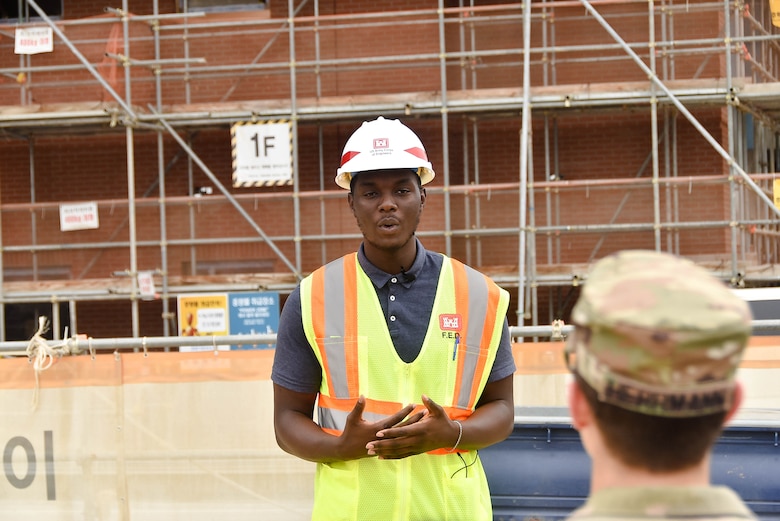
(654, 353)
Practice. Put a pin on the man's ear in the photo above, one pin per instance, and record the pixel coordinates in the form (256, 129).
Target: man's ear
(423, 195)
(581, 413)
(351, 201)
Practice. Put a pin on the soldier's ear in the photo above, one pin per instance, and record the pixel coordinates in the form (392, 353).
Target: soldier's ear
(579, 408)
(736, 402)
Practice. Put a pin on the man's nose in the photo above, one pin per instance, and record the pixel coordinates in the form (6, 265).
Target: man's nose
(387, 202)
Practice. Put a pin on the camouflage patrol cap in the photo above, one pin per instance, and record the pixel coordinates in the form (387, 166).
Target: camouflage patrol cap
(659, 335)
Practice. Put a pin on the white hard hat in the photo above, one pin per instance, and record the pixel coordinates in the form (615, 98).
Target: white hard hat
(383, 144)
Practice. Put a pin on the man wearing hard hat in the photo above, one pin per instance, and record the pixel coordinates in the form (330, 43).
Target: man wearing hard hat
(405, 352)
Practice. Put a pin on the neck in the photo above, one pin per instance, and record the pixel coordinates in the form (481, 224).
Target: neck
(392, 261)
(610, 473)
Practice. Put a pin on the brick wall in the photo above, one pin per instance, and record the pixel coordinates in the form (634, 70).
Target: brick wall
(402, 52)
(591, 148)
(591, 145)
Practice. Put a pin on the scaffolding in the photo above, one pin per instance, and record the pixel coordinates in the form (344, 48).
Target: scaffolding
(527, 80)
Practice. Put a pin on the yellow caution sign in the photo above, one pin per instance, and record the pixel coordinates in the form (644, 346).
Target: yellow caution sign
(205, 314)
(776, 192)
(774, 7)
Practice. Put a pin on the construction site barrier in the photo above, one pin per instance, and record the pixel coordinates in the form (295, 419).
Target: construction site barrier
(189, 436)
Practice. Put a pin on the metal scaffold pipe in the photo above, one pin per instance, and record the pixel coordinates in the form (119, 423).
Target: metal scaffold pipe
(683, 110)
(85, 345)
(184, 103)
(82, 58)
(227, 194)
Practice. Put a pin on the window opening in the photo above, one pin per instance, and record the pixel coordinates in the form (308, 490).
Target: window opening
(10, 10)
(21, 320)
(220, 5)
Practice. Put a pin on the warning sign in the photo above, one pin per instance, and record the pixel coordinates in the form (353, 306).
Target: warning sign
(78, 216)
(33, 40)
(203, 315)
(262, 153)
(146, 285)
(254, 313)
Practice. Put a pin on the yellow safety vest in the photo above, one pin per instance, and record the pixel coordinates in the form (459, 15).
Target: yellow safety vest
(345, 326)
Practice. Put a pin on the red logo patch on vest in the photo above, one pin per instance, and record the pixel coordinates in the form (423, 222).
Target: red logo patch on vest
(450, 322)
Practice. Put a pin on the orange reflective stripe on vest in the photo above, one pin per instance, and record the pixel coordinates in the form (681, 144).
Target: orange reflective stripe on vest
(332, 415)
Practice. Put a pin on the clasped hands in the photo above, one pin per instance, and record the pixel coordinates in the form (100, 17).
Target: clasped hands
(405, 433)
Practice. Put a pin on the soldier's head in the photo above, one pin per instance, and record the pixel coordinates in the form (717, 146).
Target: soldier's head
(657, 340)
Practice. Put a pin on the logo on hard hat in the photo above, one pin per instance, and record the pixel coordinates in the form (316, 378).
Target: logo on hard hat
(381, 142)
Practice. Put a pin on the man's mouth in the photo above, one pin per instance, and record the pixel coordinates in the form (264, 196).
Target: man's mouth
(388, 224)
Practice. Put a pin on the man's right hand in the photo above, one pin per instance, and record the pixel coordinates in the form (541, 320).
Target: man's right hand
(358, 432)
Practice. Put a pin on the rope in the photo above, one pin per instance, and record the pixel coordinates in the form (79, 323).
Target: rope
(557, 330)
(41, 354)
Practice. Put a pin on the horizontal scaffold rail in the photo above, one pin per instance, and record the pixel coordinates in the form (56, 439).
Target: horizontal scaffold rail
(86, 345)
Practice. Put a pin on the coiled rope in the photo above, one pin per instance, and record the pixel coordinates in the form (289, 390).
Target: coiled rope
(41, 354)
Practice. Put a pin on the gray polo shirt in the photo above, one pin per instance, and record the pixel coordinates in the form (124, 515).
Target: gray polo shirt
(407, 302)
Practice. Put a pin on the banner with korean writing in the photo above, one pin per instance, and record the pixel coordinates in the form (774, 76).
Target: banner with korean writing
(205, 314)
(79, 216)
(254, 313)
(33, 40)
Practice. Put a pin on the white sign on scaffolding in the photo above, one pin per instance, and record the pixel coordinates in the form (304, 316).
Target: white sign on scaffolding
(79, 216)
(146, 285)
(33, 40)
(262, 153)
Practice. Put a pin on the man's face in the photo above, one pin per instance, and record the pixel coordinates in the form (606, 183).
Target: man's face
(387, 205)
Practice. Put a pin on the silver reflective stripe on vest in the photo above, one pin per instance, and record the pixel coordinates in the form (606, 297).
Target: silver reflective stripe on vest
(336, 420)
(478, 299)
(327, 419)
(334, 327)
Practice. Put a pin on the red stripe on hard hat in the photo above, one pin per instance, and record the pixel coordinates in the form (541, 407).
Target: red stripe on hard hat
(418, 152)
(347, 156)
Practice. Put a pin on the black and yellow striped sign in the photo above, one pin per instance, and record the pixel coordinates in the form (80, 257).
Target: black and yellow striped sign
(262, 153)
